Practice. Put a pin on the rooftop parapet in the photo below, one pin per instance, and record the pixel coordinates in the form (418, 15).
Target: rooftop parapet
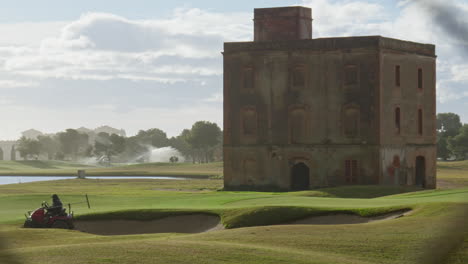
(282, 23)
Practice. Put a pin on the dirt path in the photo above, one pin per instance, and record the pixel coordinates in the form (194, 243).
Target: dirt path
(196, 223)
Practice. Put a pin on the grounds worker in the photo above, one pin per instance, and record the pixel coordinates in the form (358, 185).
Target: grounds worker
(56, 207)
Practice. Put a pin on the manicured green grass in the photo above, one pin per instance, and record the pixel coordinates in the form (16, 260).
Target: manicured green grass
(437, 224)
(452, 174)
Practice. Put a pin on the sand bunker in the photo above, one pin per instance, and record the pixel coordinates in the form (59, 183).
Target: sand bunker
(346, 219)
(196, 223)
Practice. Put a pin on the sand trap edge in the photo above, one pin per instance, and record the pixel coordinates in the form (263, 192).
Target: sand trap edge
(189, 224)
(348, 219)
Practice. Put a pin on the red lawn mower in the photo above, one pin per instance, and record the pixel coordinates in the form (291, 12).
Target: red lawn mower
(47, 217)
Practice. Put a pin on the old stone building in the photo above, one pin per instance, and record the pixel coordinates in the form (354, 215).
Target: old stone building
(8, 150)
(301, 113)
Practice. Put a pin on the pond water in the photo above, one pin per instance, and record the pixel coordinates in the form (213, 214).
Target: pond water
(23, 179)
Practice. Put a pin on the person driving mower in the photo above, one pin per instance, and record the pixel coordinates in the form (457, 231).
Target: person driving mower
(57, 206)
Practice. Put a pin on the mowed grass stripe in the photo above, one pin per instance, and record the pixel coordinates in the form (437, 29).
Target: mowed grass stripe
(178, 251)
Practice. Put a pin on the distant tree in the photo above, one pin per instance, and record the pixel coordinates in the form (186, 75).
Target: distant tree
(109, 145)
(28, 148)
(49, 145)
(153, 137)
(448, 125)
(134, 150)
(73, 142)
(181, 144)
(204, 136)
(458, 144)
(442, 147)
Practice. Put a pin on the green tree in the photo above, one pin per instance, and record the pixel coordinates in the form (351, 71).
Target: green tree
(134, 150)
(181, 144)
(442, 147)
(73, 142)
(153, 137)
(458, 144)
(49, 145)
(448, 125)
(28, 148)
(108, 145)
(204, 136)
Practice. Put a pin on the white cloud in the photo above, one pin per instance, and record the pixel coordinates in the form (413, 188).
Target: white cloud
(214, 98)
(8, 84)
(101, 46)
(28, 33)
(344, 18)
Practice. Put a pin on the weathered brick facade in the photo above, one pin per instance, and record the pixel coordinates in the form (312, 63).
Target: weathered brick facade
(301, 113)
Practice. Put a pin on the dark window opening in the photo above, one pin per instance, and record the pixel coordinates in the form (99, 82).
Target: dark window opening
(420, 179)
(420, 121)
(351, 75)
(249, 122)
(250, 171)
(397, 120)
(297, 126)
(248, 79)
(300, 177)
(420, 79)
(351, 119)
(298, 77)
(397, 75)
(396, 161)
(351, 171)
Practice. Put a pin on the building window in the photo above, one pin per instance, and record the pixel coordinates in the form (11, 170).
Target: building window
(397, 75)
(297, 125)
(249, 121)
(351, 171)
(351, 75)
(396, 161)
(248, 79)
(420, 79)
(397, 120)
(351, 120)
(298, 77)
(250, 171)
(420, 122)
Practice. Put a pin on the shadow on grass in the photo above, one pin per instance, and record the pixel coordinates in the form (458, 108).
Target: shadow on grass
(6, 257)
(360, 191)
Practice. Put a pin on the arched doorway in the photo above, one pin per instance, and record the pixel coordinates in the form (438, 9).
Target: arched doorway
(300, 177)
(1, 154)
(420, 171)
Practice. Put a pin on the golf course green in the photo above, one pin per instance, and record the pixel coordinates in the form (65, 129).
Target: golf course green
(256, 224)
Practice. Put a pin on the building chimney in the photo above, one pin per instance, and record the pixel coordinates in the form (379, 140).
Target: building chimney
(282, 23)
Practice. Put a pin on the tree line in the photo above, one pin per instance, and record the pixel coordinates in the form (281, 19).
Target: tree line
(452, 137)
(200, 144)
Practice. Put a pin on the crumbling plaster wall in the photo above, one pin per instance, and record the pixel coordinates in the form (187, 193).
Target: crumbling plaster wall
(407, 143)
(322, 98)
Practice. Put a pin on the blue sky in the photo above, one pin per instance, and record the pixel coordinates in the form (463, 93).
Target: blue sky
(144, 63)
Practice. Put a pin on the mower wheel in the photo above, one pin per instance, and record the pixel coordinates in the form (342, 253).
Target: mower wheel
(60, 224)
(28, 223)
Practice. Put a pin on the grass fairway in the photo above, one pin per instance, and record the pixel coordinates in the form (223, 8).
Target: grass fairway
(437, 224)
